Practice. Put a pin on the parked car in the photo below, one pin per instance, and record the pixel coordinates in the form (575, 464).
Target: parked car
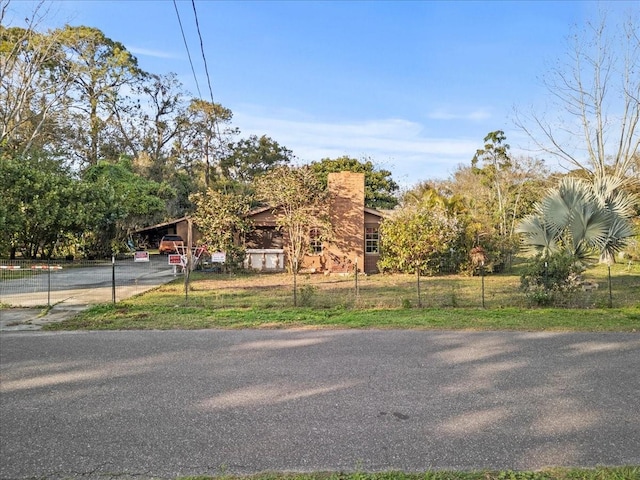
(168, 244)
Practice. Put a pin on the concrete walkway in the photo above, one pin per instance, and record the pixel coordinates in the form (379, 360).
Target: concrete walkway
(31, 315)
(24, 318)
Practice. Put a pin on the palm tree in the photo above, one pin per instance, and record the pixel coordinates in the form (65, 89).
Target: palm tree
(581, 218)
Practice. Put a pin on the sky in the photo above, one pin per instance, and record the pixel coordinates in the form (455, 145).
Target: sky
(413, 86)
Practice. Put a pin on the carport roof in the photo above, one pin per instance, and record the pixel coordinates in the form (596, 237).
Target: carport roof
(162, 225)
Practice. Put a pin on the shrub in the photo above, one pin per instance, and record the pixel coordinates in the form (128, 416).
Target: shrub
(428, 239)
(306, 294)
(546, 279)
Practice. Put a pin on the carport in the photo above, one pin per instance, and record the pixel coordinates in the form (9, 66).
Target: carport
(181, 226)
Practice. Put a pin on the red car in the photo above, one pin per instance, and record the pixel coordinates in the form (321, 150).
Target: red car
(168, 244)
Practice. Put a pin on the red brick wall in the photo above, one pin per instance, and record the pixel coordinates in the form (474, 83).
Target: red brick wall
(346, 190)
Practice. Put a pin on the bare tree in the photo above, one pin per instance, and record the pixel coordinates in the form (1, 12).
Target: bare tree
(595, 118)
(33, 86)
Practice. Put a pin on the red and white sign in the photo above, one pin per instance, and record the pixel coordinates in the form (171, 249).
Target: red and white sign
(141, 257)
(175, 259)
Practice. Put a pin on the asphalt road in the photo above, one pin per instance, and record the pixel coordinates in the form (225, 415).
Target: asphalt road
(162, 404)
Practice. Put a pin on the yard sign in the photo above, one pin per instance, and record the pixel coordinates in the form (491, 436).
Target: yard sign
(175, 259)
(141, 256)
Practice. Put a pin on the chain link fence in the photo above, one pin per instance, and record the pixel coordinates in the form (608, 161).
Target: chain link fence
(243, 289)
(37, 283)
(45, 283)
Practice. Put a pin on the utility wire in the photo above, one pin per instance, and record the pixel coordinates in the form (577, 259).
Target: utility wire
(204, 58)
(216, 124)
(184, 39)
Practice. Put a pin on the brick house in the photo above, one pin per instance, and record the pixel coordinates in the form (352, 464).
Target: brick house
(354, 240)
(355, 237)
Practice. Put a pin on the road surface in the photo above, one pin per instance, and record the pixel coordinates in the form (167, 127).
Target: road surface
(161, 404)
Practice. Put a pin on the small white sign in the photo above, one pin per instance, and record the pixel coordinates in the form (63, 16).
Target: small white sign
(141, 257)
(218, 257)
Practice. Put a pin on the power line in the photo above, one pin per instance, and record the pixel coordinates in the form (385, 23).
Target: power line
(184, 39)
(206, 71)
(204, 58)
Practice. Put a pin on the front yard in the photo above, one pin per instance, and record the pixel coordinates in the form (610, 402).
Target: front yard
(375, 301)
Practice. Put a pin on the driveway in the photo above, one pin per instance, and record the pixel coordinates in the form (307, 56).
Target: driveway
(163, 404)
(93, 280)
(70, 290)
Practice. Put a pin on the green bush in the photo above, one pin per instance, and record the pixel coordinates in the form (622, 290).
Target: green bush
(546, 279)
(306, 294)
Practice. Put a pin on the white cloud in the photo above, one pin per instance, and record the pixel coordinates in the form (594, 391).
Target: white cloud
(476, 115)
(396, 144)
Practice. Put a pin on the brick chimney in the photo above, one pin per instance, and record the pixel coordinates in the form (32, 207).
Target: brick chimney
(346, 211)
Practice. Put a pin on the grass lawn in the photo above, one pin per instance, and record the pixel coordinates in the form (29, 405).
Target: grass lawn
(620, 473)
(375, 301)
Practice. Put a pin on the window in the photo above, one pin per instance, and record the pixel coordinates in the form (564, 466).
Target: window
(371, 240)
(315, 241)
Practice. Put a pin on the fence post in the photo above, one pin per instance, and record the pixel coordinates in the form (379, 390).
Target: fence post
(295, 281)
(418, 284)
(356, 272)
(610, 294)
(49, 282)
(113, 279)
(482, 275)
(186, 270)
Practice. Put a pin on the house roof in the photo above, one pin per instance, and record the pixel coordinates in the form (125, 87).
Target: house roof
(377, 213)
(255, 211)
(372, 211)
(258, 210)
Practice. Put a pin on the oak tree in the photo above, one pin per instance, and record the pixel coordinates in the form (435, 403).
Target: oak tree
(380, 189)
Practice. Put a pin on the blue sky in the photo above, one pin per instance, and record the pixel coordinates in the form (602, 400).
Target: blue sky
(413, 85)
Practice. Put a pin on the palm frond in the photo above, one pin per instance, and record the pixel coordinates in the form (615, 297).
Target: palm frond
(584, 218)
(556, 210)
(537, 234)
(611, 194)
(590, 225)
(618, 235)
